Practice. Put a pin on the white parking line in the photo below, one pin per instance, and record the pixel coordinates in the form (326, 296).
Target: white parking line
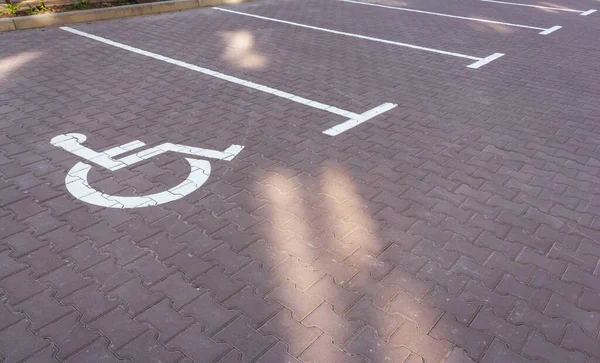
(543, 31)
(321, 106)
(479, 61)
(582, 12)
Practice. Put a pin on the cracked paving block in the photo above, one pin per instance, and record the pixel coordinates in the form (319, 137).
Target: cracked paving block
(474, 342)
(419, 342)
(7, 317)
(135, 296)
(383, 323)
(244, 338)
(277, 354)
(552, 328)
(401, 278)
(498, 352)
(97, 352)
(303, 276)
(195, 344)
(340, 298)
(8, 265)
(212, 315)
(146, 348)
(513, 335)
(369, 345)
(117, 327)
(227, 258)
(323, 350)
(252, 306)
(179, 291)
(297, 336)
(259, 277)
(43, 309)
(17, 342)
(538, 347)
(299, 302)
(188, 263)
(339, 328)
(65, 281)
(165, 320)
(68, 334)
(21, 286)
(220, 284)
(441, 299)
(475, 292)
(149, 269)
(425, 317)
(560, 308)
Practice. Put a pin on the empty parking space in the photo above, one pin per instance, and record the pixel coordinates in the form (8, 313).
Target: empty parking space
(303, 181)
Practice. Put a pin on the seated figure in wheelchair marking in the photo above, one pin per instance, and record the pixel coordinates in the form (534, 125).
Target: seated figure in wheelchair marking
(78, 186)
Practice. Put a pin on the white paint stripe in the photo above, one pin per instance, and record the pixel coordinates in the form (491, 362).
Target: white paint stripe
(222, 76)
(234, 149)
(550, 30)
(485, 60)
(586, 13)
(347, 125)
(532, 6)
(459, 55)
(445, 15)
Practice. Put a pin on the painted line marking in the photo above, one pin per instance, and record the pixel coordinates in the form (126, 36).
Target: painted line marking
(544, 31)
(583, 12)
(459, 55)
(347, 125)
(550, 30)
(485, 60)
(225, 77)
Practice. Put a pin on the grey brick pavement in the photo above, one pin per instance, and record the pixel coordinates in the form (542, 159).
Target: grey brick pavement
(461, 226)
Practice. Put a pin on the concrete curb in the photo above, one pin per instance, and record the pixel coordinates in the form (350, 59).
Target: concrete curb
(80, 16)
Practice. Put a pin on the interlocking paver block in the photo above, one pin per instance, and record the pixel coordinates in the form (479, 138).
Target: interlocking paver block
(243, 337)
(197, 345)
(297, 336)
(467, 215)
(339, 328)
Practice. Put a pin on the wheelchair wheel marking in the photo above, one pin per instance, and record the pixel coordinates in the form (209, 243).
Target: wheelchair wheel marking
(77, 178)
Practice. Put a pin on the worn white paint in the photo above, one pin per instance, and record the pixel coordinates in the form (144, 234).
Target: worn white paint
(582, 12)
(544, 31)
(433, 50)
(77, 182)
(225, 77)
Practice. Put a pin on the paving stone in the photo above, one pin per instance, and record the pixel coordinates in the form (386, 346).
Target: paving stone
(250, 342)
(339, 328)
(18, 342)
(298, 336)
(68, 334)
(552, 328)
(465, 216)
(367, 344)
(324, 349)
(538, 347)
(197, 346)
(147, 348)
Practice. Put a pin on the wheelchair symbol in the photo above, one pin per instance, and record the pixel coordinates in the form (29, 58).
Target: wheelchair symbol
(77, 177)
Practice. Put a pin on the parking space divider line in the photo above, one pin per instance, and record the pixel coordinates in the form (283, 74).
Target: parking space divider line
(478, 60)
(232, 79)
(582, 12)
(544, 31)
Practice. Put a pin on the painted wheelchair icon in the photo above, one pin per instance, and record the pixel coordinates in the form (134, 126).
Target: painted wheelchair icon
(77, 177)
